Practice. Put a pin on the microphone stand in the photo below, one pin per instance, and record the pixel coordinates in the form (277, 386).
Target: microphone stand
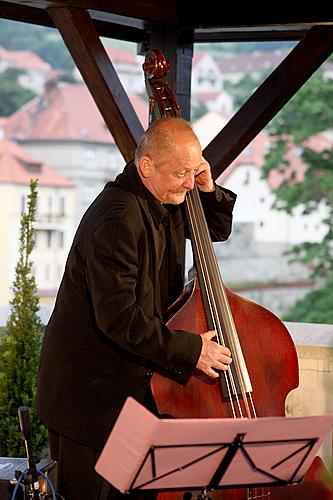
(30, 478)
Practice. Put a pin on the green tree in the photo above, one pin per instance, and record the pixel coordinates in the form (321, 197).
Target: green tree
(20, 346)
(315, 307)
(198, 109)
(243, 89)
(309, 112)
(13, 96)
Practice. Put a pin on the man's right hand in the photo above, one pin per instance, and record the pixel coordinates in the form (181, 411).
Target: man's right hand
(214, 357)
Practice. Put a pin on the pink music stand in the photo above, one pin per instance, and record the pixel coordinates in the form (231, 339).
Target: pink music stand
(145, 452)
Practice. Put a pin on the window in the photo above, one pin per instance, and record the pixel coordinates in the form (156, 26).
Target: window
(89, 159)
(47, 272)
(49, 204)
(59, 271)
(61, 239)
(88, 194)
(22, 204)
(62, 205)
(49, 238)
(246, 178)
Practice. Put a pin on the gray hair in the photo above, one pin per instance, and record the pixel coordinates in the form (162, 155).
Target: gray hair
(160, 139)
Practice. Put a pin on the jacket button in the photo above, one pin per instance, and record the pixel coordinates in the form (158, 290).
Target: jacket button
(218, 194)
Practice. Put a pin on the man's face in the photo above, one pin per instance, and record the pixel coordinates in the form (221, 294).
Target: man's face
(170, 180)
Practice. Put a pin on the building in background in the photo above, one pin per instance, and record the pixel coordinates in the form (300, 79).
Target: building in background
(36, 71)
(254, 64)
(54, 222)
(257, 64)
(207, 85)
(64, 129)
(128, 66)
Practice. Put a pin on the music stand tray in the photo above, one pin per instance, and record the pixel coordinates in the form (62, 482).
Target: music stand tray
(145, 452)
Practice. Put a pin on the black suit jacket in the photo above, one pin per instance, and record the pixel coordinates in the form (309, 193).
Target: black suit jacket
(106, 335)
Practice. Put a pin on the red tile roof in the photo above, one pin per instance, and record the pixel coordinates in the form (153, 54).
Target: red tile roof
(254, 154)
(24, 59)
(65, 112)
(121, 55)
(207, 96)
(197, 56)
(18, 167)
(255, 61)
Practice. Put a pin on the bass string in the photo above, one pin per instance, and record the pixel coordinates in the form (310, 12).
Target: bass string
(207, 264)
(212, 281)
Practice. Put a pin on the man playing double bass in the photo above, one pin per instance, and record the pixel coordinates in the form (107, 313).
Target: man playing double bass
(107, 333)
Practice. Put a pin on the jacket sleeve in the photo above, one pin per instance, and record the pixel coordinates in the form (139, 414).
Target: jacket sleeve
(218, 207)
(121, 295)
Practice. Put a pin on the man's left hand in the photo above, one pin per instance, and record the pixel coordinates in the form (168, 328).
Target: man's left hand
(203, 177)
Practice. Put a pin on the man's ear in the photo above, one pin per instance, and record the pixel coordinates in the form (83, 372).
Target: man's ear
(145, 166)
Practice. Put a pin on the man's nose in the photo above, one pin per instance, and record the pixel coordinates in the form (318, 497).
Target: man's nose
(189, 181)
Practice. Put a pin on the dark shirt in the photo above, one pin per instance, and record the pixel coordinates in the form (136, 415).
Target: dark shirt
(160, 215)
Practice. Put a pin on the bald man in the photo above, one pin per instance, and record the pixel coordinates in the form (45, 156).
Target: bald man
(107, 333)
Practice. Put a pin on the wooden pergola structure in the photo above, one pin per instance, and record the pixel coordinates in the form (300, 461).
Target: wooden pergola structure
(173, 27)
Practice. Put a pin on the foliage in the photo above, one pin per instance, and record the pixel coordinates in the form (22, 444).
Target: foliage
(54, 51)
(198, 109)
(305, 115)
(67, 77)
(304, 310)
(308, 112)
(13, 96)
(46, 42)
(243, 89)
(20, 346)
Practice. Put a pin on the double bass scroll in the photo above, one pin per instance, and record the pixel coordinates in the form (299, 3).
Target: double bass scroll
(162, 102)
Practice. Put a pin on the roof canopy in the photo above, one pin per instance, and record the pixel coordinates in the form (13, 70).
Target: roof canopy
(132, 19)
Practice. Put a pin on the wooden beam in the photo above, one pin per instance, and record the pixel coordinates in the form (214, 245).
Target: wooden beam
(133, 13)
(25, 14)
(161, 11)
(33, 15)
(210, 15)
(270, 97)
(118, 31)
(243, 34)
(81, 38)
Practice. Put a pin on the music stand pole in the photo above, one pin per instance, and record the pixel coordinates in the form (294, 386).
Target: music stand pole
(222, 468)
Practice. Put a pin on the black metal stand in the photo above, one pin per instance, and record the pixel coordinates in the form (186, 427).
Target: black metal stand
(238, 445)
(200, 455)
(30, 477)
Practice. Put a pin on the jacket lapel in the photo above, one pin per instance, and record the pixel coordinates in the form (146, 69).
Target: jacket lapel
(152, 254)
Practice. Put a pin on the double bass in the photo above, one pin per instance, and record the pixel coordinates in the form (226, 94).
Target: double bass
(265, 364)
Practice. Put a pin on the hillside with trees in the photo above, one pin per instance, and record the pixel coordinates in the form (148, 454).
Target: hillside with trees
(46, 42)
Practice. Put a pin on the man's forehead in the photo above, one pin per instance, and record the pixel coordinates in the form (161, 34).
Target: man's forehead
(177, 163)
(187, 166)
